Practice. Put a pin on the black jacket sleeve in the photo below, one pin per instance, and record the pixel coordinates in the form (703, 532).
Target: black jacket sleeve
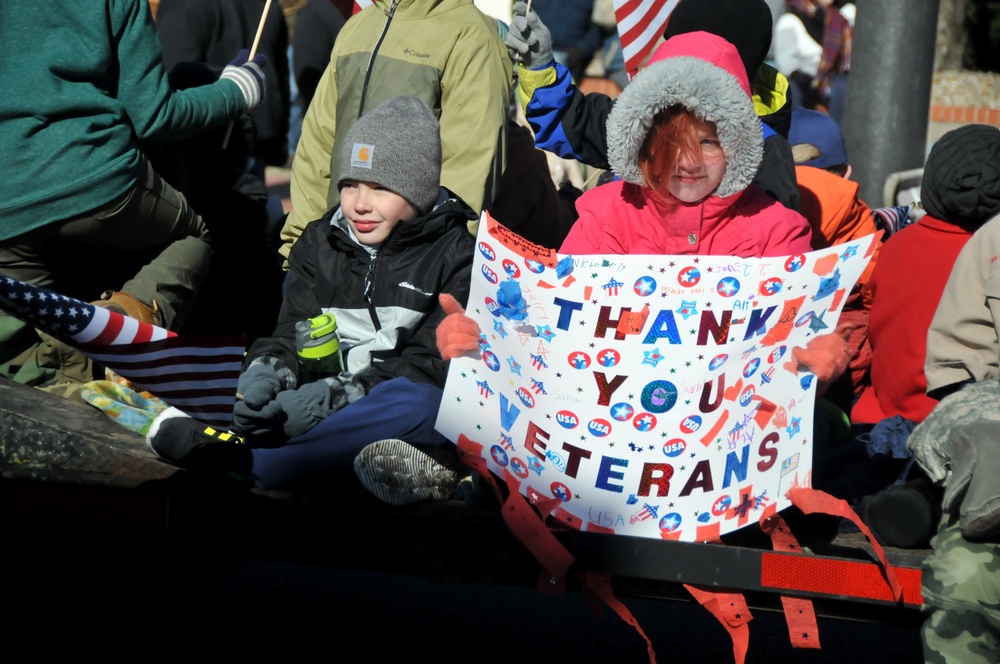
(776, 174)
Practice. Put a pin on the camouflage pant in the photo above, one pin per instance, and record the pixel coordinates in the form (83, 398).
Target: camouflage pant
(961, 588)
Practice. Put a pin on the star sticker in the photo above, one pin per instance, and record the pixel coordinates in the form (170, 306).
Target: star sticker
(688, 308)
(794, 427)
(850, 251)
(515, 367)
(816, 322)
(500, 329)
(652, 357)
(545, 332)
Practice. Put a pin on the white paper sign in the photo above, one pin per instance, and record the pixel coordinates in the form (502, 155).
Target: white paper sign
(649, 394)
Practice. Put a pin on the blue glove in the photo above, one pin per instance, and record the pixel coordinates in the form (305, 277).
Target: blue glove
(249, 76)
(256, 411)
(528, 39)
(305, 407)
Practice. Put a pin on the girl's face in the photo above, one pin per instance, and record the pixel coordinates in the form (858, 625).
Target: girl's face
(696, 174)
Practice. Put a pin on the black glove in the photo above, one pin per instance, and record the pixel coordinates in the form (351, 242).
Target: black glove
(528, 39)
(249, 76)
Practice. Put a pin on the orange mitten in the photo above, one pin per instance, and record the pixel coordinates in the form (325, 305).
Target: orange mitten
(457, 333)
(826, 355)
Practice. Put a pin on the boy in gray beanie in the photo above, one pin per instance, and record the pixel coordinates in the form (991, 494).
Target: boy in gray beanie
(378, 263)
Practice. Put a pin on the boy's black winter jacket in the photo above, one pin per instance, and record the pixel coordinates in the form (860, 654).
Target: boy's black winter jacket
(386, 305)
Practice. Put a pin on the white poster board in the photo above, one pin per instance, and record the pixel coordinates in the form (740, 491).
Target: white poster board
(649, 394)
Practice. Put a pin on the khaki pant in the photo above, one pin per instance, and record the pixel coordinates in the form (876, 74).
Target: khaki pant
(152, 215)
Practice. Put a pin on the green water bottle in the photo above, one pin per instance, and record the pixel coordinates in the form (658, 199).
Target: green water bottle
(318, 347)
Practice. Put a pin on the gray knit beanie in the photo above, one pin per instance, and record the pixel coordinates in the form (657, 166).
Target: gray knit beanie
(396, 145)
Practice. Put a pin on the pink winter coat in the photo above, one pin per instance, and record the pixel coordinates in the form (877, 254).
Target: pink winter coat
(703, 73)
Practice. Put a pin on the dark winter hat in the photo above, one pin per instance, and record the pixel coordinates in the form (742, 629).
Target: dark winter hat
(820, 130)
(746, 24)
(961, 182)
(397, 145)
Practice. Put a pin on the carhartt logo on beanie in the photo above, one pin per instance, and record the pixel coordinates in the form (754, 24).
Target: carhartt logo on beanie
(361, 156)
(396, 145)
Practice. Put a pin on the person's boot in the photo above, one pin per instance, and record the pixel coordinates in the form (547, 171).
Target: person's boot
(903, 515)
(125, 304)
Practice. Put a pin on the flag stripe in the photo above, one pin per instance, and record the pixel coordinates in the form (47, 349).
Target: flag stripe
(198, 375)
(640, 24)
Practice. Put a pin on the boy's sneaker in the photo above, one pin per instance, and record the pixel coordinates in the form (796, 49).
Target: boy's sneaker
(188, 443)
(398, 473)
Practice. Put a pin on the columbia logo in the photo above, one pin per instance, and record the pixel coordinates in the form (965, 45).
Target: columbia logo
(407, 284)
(361, 155)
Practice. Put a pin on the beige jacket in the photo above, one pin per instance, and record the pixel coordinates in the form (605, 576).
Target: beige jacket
(446, 53)
(962, 343)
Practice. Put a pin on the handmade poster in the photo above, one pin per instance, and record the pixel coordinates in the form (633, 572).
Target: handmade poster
(654, 396)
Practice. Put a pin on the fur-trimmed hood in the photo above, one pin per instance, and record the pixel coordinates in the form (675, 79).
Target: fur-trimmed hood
(703, 73)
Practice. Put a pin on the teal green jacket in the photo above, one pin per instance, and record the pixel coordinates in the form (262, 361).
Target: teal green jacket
(83, 83)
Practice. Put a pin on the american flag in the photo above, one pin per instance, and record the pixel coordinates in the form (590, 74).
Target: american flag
(640, 26)
(198, 375)
(789, 464)
(347, 8)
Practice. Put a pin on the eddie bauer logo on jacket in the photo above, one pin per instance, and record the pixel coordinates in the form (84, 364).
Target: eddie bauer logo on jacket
(361, 155)
(407, 284)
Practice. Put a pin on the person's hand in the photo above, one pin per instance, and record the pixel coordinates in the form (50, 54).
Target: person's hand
(528, 40)
(249, 76)
(256, 411)
(457, 333)
(305, 407)
(826, 355)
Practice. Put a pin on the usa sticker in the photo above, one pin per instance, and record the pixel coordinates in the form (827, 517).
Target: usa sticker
(361, 155)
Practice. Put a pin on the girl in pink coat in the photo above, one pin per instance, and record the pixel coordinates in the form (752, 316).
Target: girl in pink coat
(686, 142)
